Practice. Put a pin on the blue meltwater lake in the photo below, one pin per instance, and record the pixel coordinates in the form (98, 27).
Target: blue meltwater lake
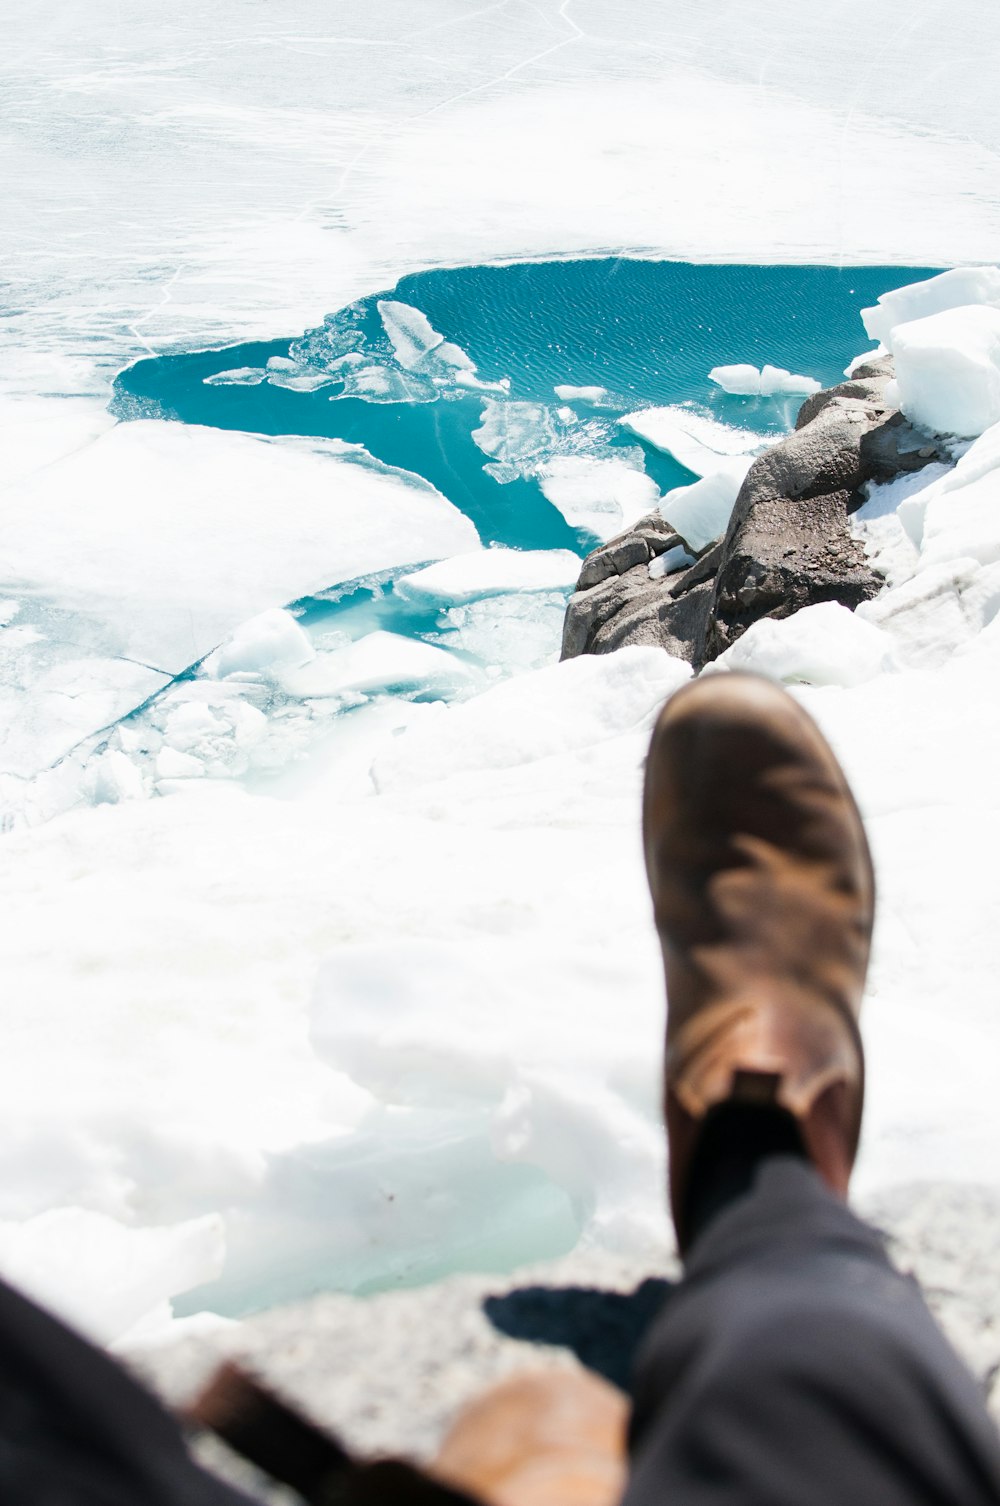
(647, 332)
(504, 387)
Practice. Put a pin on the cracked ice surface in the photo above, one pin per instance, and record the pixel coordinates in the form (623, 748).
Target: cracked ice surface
(177, 536)
(216, 174)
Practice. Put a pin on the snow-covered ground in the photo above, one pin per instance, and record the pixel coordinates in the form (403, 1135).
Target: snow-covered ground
(405, 1015)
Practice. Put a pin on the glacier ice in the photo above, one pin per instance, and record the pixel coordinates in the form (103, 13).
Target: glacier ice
(948, 369)
(745, 380)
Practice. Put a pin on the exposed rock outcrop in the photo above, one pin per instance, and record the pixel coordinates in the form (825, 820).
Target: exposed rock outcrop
(788, 544)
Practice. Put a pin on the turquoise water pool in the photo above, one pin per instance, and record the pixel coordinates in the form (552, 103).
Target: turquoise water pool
(646, 332)
(452, 376)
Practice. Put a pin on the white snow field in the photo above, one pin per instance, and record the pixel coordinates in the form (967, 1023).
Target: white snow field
(364, 1027)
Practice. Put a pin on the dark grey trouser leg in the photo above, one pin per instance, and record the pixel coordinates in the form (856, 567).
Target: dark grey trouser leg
(794, 1366)
(76, 1430)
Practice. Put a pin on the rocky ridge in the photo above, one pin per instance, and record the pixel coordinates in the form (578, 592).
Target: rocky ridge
(788, 544)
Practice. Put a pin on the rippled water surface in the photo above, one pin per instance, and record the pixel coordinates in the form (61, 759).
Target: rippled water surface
(647, 332)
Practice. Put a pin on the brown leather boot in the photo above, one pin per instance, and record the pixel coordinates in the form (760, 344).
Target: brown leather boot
(540, 1438)
(763, 895)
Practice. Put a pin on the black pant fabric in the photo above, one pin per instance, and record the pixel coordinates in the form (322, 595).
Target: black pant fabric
(795, 1366)
(76, 1430)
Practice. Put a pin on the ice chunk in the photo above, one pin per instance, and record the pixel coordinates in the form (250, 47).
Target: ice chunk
(161, 538)
(592, 395)
(379, 661)
(919, 300)
(948, 370)
(694, 440)
(670, 560)
(821, 645)
(270, 642)
(102, 1276)
(825, 644)
(533, 716)
(489, 572)
(961, 522)
(603, 496)
(239, 376)
(509, 633)
(411, 332)
(113, 777)
(171, 763)
(382, 384)
(863, 359)
(515, 433)
(937, 610)
(701, 512)
(768, 381)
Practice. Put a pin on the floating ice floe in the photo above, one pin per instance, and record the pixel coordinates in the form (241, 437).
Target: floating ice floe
(694, 440)
(700, 512)
(490, 572)
(743, 380)
(948, 370)
(378, 661)
(237, 376)
(825, 644)
(516, 435)
(918, 300)
(603, 496)
(592, 395)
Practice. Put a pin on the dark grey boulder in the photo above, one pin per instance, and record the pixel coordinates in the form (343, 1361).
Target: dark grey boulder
(788, 544)
(616, 603)
(787, 553)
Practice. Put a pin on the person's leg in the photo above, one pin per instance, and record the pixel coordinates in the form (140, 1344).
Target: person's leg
(76, 1430)
(793, 1364)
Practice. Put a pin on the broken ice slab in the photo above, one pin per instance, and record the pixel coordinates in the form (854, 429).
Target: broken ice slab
(490, 572)
(744, 380)
(601, 494)
(693, 439)
(149, 546)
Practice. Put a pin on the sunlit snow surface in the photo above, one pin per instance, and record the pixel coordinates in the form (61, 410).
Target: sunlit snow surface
(401, 1011)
